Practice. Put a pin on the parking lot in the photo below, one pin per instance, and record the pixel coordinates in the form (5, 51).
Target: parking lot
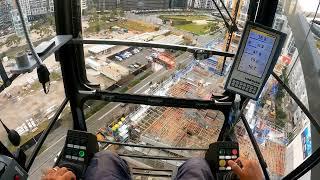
(139, 58)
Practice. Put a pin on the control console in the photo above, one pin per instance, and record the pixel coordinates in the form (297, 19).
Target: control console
(77, 152)
(220, 153)
(10, 169)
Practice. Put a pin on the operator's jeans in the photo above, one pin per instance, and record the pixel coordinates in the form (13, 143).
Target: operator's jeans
(109, 166)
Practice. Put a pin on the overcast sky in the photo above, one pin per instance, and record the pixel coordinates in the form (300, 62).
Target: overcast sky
(309, 5)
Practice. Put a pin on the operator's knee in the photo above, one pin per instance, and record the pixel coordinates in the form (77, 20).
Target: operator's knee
(194, 168)
(107, 155)
(109, 166)
(196, 163)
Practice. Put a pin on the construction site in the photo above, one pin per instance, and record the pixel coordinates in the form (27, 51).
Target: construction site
(190, 128)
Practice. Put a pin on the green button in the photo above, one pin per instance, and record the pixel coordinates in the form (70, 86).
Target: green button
(221, 151)
(81, 153)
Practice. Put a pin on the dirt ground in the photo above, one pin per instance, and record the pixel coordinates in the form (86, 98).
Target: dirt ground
(22, 101)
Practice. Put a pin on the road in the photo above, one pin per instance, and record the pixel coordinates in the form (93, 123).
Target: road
(46, 158)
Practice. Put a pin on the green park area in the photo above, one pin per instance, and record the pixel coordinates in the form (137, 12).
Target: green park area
(105, 21)
(185, 17)
(199, 29)
(197, 24)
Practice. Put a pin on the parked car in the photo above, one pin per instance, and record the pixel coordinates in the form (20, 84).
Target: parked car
(149, 58)
(136, 66)
(129, 53)
(135, 51)
(124, 56)
(118, 58)
(154, 55)
(131, 66)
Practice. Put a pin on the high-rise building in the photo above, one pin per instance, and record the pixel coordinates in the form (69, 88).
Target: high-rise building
(84, 4)
(38, 9)
(144, 4)
(208, 4)
(101, 5)
(280, 22)
(202, 4)
(183, 4)
(17, 22)
(25, 6)
(33, 9)
(5, 15)
(51, 6)
(296, 83)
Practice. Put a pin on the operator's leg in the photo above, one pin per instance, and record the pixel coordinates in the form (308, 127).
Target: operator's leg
(194, 169)
(106, 165)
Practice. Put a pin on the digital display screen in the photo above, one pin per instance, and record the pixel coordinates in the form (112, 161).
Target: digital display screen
(256, 53)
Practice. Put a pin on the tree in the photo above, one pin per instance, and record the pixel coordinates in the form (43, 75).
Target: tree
(104, 18)
(120, 12)
(213, 27)
(93, 15)
(2, 55)
(280, 114)
(51, 20)
(35, 26)
(94, 27)
(13, 40)
(113, 14)
(280, 123)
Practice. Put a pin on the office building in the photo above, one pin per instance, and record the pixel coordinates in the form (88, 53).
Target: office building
(38, 8)
(17, 22)
(180, 4)
(144, 4)
(101, 5)
(202, 4)
(5, 15)
(84, 4)
(51, 6)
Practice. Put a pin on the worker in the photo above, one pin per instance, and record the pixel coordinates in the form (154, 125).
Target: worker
(109, 166)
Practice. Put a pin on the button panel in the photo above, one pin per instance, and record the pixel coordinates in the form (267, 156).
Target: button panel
(244, 86)
(75, 149)
(226, 154)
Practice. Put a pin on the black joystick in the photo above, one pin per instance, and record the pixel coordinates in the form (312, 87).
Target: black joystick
(13, 136)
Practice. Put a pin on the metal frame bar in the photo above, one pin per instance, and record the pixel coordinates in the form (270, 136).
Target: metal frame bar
(152, 169)
(262, 162)
(59, 40)
(45, 134)
(4, 76)
(154, 157)
(304, 167)
(191, 49)
(155, 100)
(222, 16)
(71, 57)
(68, 21)
(313, 121)
(152, 175)
(153, 147)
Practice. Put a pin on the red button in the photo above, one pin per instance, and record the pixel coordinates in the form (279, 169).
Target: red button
(234, 151)
(16, 177)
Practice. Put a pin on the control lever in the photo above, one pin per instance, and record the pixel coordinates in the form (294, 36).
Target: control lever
(13, 136)
(77, 152)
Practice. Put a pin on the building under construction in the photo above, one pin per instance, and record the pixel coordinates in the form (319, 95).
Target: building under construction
(191, 128)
